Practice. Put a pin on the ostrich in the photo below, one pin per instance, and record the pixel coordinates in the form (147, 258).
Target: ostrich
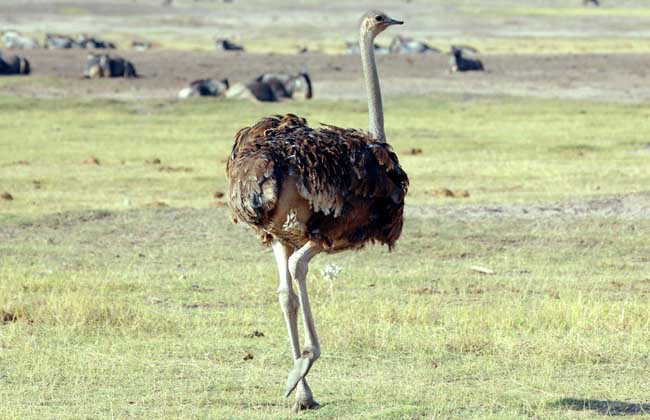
(310, 190)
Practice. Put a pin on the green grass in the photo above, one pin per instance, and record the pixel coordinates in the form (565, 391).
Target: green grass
(111, 307)
(499, 149)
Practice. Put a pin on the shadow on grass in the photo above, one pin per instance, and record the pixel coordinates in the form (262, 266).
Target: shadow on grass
(604, 407)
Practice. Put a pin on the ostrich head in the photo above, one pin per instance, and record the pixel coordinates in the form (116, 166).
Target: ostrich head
(374, 22)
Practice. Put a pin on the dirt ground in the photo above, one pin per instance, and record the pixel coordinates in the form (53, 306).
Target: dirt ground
(603, 77)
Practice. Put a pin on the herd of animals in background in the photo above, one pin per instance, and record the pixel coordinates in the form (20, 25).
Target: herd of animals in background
(399, 45)
(266, 88)
(63, 42)
(271, 88)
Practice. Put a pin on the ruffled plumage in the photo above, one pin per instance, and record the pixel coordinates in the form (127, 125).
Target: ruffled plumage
(355, 187)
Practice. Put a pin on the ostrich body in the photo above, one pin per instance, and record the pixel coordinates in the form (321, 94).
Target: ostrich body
(309, 190)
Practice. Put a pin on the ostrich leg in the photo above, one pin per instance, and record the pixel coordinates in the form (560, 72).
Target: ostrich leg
(289, 304)
(298, 265)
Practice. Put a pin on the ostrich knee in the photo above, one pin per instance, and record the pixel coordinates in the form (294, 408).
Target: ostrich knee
(298, 266)
(289, 303)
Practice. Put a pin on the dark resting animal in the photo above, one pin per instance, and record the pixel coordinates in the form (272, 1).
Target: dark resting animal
(14, 65)
(273, 88)
(223, 44)
(102, 65)
(309, 190)
(54, 41)
(300, 83)
(458, 62)
(205, 87)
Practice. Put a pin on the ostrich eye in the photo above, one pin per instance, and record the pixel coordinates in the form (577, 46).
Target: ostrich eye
(379, 18)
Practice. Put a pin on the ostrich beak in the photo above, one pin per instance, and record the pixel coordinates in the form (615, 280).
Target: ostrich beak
(390, 21)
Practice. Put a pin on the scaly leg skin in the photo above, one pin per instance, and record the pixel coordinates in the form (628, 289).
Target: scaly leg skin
(298, 266)
(289, 304)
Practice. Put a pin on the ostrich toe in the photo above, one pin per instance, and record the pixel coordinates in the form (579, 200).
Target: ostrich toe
(306, 404)
(299, 371)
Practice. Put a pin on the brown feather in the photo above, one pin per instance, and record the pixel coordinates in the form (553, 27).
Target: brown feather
(354, 187)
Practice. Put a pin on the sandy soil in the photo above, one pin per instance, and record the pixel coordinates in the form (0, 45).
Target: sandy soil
(632, 206)
(605, 77)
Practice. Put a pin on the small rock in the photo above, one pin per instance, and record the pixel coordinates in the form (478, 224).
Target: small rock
(248, 356)
(92, 160)
(154, 161)
(255, 334)
(217, 195)
(6, 196)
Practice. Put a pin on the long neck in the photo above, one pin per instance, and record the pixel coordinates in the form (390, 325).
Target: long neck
(375, 108)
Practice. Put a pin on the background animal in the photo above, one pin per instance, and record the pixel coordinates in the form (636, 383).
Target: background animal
(307, 191)
(88, 42)
(401, 45)
(293, 84)
(14, 40)
(102, 65)
(205, 87)
(14, 65)
(141, 45)
(55, 41)
(272, 88)
(459, 63)
(223, 44)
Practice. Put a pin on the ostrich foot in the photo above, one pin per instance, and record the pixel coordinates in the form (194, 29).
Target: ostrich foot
(299, 371)
(305, 404)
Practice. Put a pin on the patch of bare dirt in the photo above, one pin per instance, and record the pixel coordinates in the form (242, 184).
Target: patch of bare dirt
(625, 206)
(607, 77)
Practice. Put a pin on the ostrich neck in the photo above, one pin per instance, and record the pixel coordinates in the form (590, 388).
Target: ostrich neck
(375, 108)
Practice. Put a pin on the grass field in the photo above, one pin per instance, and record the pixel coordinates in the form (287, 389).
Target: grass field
(125, 291)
